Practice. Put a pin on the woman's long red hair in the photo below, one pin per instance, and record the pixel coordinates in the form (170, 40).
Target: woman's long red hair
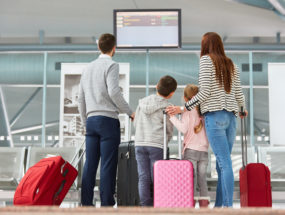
(212, 45)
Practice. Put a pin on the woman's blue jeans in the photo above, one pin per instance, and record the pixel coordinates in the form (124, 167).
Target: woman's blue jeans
(221, 132)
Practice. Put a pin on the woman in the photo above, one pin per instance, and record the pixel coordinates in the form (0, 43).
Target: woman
(220, 98)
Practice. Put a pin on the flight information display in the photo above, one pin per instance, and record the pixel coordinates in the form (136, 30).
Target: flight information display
(148, 28)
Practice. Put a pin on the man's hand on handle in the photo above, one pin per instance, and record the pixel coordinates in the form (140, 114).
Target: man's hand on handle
(133, 116)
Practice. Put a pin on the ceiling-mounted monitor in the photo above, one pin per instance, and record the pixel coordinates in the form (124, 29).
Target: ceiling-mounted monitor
(150, 28)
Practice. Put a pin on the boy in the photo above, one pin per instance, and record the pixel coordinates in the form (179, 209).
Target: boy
(149, 134)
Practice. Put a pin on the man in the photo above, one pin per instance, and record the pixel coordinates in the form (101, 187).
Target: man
(100, 101)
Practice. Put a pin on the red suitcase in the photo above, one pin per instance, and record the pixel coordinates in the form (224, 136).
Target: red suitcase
(254, 179)
(46, 183)
(173, 180)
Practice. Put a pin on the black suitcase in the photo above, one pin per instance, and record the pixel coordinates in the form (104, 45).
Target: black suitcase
(127, 180)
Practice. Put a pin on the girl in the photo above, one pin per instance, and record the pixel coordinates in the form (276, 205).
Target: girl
(195, 144)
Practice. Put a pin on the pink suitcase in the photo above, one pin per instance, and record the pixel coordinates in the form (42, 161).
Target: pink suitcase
(173, 180)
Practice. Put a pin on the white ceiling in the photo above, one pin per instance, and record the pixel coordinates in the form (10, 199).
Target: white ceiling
(87, 18)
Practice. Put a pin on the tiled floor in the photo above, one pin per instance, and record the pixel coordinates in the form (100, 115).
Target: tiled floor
(275, 205)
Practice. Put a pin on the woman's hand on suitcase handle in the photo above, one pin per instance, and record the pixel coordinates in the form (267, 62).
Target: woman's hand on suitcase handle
(173, 110)
(243, 114)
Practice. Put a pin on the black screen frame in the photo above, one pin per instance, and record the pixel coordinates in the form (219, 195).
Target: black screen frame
(148, 10)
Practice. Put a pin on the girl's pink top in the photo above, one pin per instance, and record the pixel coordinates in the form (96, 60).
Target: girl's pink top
(186, 125)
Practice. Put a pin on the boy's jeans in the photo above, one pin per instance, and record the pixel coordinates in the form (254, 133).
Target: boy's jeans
(146, 156)
(221, 133)
(199, 159)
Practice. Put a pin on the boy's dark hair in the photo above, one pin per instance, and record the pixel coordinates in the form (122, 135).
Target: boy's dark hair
(106, 43)
(166, 85)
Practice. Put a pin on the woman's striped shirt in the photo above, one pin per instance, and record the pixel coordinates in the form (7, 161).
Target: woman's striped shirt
(212, 96)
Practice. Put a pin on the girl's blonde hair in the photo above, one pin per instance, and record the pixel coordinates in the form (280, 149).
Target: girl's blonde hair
(189, 92)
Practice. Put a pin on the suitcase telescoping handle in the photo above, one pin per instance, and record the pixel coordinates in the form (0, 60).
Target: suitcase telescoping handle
(179, 141)
(129, 137)
(165, 137)
(243, 139)
(78, 154)
(130, 128)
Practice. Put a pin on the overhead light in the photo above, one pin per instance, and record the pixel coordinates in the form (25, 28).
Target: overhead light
(278, 6)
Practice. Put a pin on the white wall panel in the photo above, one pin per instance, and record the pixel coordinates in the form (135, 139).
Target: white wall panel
(276, 80)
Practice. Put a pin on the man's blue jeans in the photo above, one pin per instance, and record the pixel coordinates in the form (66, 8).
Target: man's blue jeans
(102, 140)
(146, 156)
(221, 133)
